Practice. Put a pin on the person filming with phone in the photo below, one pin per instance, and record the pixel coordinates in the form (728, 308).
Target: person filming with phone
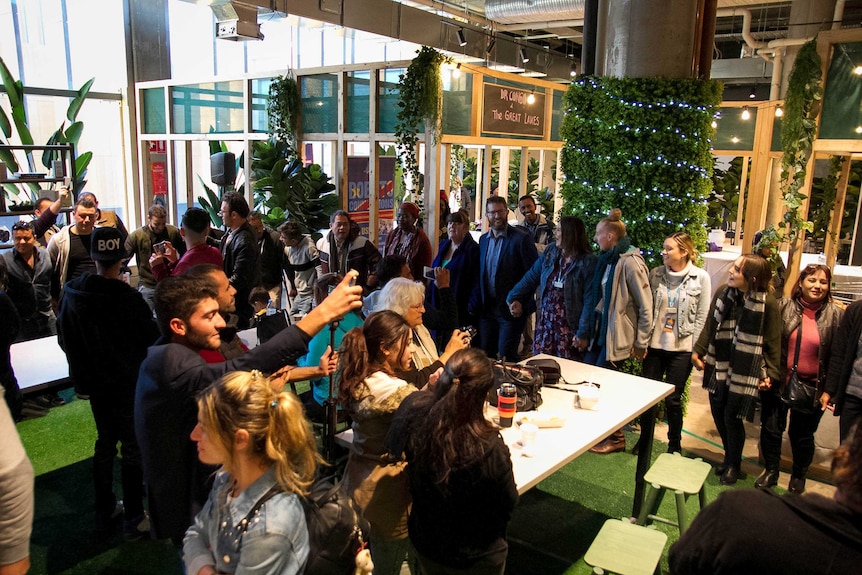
(149, 239)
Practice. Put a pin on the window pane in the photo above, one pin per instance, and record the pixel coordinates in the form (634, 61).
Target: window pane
(358, 91)
(97, 44)
(387, 106)
(209, 107)
(259, 95)
(155, 120)
(319, 95)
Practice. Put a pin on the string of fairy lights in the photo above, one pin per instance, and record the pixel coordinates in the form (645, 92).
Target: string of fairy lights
(648, 156)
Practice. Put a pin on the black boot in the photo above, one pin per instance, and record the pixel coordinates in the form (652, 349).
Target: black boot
(730, 475)
(797, 485)
(767, 479)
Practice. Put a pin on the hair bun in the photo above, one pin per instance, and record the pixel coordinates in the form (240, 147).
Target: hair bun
(615, 215)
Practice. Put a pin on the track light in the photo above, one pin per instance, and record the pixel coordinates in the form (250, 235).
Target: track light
(779, 111)
(746, 115)
(462, 39)
(524, 57)
(491, 44)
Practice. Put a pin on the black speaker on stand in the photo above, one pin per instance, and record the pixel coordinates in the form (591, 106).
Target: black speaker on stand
(223, 169)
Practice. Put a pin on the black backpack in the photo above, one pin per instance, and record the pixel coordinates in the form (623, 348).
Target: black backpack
(336, 529)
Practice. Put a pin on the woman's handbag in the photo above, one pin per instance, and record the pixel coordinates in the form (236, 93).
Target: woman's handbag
(527, 380)
(799, 394)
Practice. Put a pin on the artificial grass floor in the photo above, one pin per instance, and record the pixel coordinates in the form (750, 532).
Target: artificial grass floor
(551, 529)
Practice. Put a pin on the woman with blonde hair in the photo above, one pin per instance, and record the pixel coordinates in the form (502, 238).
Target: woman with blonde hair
(739, 350)
(622, 304)
(253, 522)
(371, 391)
(681, 292)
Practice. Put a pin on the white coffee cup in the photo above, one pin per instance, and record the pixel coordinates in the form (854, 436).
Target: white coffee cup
(589, 396)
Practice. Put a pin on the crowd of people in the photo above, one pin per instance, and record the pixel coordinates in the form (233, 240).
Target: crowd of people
(226, 454)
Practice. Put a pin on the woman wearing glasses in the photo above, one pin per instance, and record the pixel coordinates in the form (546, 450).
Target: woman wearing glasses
(809, 323)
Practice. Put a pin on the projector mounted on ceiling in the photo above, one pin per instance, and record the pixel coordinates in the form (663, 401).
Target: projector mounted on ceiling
(236, 22)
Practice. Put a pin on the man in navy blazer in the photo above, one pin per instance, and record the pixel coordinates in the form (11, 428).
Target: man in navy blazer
(505, 254)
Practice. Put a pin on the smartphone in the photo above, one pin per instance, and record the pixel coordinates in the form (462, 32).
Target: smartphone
(159, 248)
(428, 273)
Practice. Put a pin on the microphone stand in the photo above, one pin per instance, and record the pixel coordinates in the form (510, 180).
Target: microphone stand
(331, 405)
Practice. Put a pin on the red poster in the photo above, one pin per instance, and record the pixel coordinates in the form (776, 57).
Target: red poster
(160, 182)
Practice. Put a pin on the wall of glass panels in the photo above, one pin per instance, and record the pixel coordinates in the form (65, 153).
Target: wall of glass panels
(319, 96)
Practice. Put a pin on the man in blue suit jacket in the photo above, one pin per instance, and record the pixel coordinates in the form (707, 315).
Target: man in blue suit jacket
(505, 254)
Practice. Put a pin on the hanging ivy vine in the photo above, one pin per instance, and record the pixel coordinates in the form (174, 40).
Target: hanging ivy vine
(420, 104)
(798, 128)
(282, 108)
(641, 145)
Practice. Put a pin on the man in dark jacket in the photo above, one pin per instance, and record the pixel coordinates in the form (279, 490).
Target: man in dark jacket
(240, 252)
(271, 254)
(173, 373)
(29, 285)
(505, 255)
(344, 249)
(105, 327)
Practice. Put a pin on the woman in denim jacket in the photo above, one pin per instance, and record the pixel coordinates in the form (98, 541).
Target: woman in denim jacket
(253, 522)
(681, 295)
(563, 274)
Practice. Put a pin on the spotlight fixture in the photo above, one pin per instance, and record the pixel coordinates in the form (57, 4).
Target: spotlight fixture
(753, 94)
(462, 39)
(779, 111)
(524, 57)
(858, 70)
(746, 115)
(532, 97)
(491, 44)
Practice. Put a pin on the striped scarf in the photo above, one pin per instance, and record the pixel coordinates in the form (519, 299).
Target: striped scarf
(736, 350)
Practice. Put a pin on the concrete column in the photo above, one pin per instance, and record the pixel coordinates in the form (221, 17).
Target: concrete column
(646, 38)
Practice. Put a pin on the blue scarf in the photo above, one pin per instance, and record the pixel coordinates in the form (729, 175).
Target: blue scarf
(607, 258)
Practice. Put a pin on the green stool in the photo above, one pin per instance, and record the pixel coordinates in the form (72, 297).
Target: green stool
(684, 477)
(627, 549)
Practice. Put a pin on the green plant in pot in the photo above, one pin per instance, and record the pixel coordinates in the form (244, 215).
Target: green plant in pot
(420, 104)
(284, 188)
(64, 134)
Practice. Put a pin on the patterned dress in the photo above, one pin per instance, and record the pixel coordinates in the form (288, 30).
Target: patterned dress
(553, 335)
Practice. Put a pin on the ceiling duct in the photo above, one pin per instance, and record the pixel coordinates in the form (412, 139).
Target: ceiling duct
(520, 11)
(236, 21)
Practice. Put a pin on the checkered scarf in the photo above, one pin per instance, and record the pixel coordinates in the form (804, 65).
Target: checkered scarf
(736, 350)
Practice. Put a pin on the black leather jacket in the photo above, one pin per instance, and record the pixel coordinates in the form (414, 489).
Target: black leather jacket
(828, 320)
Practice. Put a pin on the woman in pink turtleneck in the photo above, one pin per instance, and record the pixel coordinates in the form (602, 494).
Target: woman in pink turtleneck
(808, 311)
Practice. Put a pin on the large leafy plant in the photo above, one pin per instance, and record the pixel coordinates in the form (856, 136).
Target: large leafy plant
(285, 188)
(420, 104)
(64, 134)
(282, 108)
(641, 145)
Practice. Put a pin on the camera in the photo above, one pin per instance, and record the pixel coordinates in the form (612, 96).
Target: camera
(469, 330)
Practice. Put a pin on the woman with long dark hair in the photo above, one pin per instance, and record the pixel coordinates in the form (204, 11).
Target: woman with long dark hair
(681, 294)
(563, 275)
(809, 325)
(253, 521)
(460, 476)
(740, 353)
(370, 391)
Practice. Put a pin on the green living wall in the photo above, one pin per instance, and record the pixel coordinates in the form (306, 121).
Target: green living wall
(642, 145)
